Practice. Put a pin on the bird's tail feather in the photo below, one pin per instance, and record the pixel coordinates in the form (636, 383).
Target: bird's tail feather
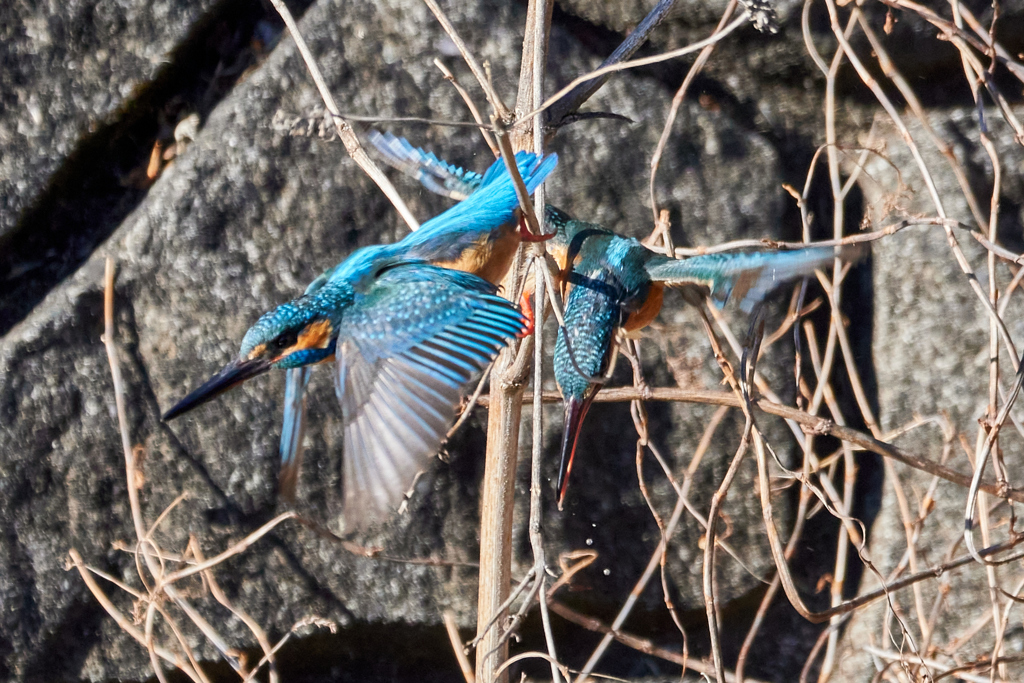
(437, 175)
(449, 180)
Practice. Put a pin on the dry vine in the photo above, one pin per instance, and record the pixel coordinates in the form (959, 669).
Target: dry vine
(904, 646)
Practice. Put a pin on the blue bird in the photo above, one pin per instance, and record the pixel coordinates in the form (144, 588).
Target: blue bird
(610, 282)
(408, 337)
(410, 325)
(481, 234)
(478, 236)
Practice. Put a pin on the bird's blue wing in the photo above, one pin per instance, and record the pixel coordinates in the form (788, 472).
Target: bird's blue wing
(437, 175)
(407, 352)
(292, 430)
(293, 426)
(749, 276)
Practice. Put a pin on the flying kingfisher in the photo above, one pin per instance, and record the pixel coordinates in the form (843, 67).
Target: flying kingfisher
(410, 324)
(610, 282)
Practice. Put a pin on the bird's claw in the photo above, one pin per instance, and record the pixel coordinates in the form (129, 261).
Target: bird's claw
(527, 309)
(526, 236)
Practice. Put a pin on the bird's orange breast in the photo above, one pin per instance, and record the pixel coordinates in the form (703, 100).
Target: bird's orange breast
(488, 258)
(643, 316)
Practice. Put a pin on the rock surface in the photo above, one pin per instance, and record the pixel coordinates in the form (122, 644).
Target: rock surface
(67, 70)
(250, 214)
(241, 222)
(930, 352)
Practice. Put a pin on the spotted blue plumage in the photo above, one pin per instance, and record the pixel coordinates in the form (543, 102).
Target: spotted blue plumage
(408, 338)
(407, 352)
(492, 207)
(611, 278)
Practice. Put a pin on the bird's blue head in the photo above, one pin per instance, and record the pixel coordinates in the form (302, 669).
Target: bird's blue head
(290, 336)
(298, 333)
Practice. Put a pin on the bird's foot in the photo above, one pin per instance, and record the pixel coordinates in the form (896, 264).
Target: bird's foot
(527, 236)
(527, 309)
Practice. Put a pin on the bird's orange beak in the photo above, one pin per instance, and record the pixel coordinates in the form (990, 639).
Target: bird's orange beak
(233, 374)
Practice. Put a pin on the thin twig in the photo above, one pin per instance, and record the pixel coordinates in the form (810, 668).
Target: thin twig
(345, 132)
(484, 127)
(485, 84)
(677, 101)
(810, 423)
(636, 38)
(124, 622)
(623, 66)
(457, 647)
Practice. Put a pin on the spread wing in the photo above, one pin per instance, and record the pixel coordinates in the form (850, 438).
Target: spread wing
(406, 354)
(749, 276)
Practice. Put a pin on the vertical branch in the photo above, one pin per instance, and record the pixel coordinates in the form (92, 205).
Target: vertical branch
(531, 74)
(773, 589)
(507, 385)
(496, 512)
(709, 551)
(541, 22)
(536, 507)
(836, 326)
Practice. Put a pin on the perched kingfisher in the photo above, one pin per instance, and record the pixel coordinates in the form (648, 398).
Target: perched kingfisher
(410, 325)
(610, 282)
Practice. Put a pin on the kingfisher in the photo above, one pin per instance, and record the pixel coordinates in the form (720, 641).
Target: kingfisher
(407, 338)
(409, 325)
(479, 236)
(610, 282)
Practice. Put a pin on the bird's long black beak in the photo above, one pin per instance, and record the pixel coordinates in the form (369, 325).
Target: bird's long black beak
(575, 410)
(233, 374)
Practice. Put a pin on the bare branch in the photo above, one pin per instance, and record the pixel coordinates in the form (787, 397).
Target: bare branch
(636, 38)
(345, 132)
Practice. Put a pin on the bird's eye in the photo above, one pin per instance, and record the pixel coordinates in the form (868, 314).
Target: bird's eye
(283, 341)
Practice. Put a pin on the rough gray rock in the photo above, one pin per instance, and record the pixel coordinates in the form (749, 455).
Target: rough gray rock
(934, 320)
(67, 69)
(930, 351)
(243, 221)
